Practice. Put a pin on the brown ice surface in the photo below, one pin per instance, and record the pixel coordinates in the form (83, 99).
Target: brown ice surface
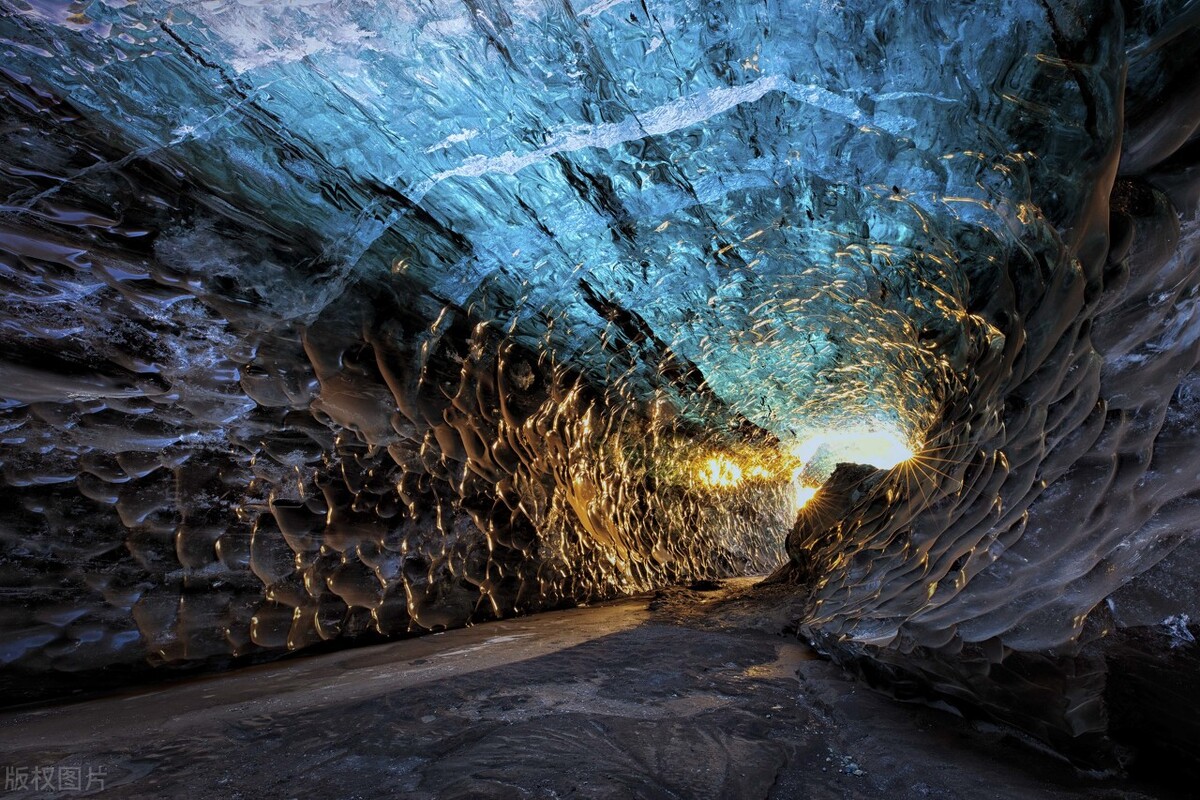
(687, 694)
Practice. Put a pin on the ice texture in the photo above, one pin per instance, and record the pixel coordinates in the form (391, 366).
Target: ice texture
(330, 318)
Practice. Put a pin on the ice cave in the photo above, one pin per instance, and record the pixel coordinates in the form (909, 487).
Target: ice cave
(600, 398)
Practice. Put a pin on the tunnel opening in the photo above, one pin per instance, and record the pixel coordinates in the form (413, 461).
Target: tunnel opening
(335, 353)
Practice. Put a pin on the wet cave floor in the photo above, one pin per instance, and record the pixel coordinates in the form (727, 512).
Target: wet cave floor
(689, 694)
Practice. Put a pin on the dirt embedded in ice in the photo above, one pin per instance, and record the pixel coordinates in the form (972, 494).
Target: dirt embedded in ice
(331, 321)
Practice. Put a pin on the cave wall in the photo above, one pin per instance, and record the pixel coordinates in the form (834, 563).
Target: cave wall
(328, 321)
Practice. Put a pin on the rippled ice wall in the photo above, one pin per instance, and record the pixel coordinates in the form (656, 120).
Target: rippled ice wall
(330, 318)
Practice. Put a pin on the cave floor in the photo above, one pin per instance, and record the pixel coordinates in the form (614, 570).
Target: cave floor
(686, 695)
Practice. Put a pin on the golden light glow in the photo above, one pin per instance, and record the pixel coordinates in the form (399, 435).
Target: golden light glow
(720, 472)
(804, 494)
(884, 449)
(740, 467)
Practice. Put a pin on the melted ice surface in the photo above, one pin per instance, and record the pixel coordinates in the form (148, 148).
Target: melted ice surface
(333, 317)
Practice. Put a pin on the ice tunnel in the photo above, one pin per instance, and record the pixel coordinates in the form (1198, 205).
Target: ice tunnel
(333, 321)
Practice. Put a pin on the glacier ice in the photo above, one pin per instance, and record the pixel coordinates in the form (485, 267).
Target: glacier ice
(330, 319)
